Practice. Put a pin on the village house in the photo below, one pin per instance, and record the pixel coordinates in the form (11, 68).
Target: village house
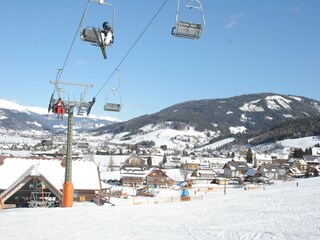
(176, 161)
(297, 167)
(312, 159)
(252, 175)
(298, 163)
(134, 171)
(235, 169)
(316, 151)
(202, 176)
(158, 178)
(261, 159)
(192, 162)
(271, 171)
(217, 164)
(22, 180)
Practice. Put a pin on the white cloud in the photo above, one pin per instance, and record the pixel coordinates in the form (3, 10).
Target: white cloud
(231, 25)
(233, 20)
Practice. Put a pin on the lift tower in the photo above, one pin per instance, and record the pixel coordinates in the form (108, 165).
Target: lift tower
(69, 108)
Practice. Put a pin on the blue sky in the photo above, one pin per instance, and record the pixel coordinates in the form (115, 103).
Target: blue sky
(247, 46)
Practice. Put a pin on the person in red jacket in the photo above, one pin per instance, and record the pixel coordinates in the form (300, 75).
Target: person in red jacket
(59, 108)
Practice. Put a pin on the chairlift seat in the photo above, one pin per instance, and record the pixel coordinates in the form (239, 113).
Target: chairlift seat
(90, 35)
(115, 107)
(187, 30)
(94, 36)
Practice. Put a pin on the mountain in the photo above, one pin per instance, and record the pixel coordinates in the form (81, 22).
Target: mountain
(245, 113)
(21, 118)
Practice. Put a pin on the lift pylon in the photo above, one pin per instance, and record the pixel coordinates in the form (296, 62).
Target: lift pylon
(69, 107)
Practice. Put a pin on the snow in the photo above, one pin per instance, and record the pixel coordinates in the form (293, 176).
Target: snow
(12, 106)
(296, 98)
(279, 211)
(243, 118)
(238, 129)
(288, 116)
(84, 175)
(165, 136)
(44, 111)
(302, 143)
(217, 144)
(251, 107)
(276, 102)
(34, 123)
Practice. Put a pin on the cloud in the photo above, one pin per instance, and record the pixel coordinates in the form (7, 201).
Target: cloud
(231, 25)
(81, 62)
(233, 20)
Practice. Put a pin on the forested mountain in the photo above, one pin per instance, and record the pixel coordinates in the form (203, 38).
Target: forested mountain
(245, 113)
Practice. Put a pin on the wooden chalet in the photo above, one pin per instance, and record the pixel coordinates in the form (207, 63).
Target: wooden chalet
(23, 181)
(134, 171)
(158, 178)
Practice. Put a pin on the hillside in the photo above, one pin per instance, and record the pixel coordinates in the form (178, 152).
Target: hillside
(245, 113)
(291, 129)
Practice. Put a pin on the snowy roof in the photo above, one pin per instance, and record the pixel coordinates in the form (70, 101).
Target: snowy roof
(251, 172)
(84, 173)
(311, 159)
(175, 174)
(263, 157)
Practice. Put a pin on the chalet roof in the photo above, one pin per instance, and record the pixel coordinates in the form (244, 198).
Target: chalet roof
(139, 173)
(298, 160)
(176, 174)
(263, 157)
(192, 160)
(251, 172)
(134, 161)
(311, 159)
(270, 168)
(236, 166)
(201, 172)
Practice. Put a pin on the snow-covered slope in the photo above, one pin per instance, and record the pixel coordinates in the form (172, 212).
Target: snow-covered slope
(280, 211)
(14, 116)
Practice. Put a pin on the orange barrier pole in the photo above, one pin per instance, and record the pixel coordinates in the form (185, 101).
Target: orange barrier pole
(67, 198)
(1, 207)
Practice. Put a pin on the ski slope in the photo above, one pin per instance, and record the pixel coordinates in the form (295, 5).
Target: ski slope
(278, 211)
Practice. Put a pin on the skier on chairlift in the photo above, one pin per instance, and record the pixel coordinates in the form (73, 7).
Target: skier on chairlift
(59, 108)
(107, 34)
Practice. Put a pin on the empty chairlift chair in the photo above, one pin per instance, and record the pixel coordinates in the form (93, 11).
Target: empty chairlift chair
(115, 104)
(189, 29)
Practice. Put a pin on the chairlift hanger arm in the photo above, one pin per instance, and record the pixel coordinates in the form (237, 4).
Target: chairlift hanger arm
(72, 83)
(101, 2)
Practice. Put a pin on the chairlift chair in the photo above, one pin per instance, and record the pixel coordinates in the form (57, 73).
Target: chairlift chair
(93, 34)
(68, 106)
(187, 29)
(113, 106)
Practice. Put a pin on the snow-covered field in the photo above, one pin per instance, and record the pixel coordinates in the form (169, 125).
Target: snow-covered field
(279, 211)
